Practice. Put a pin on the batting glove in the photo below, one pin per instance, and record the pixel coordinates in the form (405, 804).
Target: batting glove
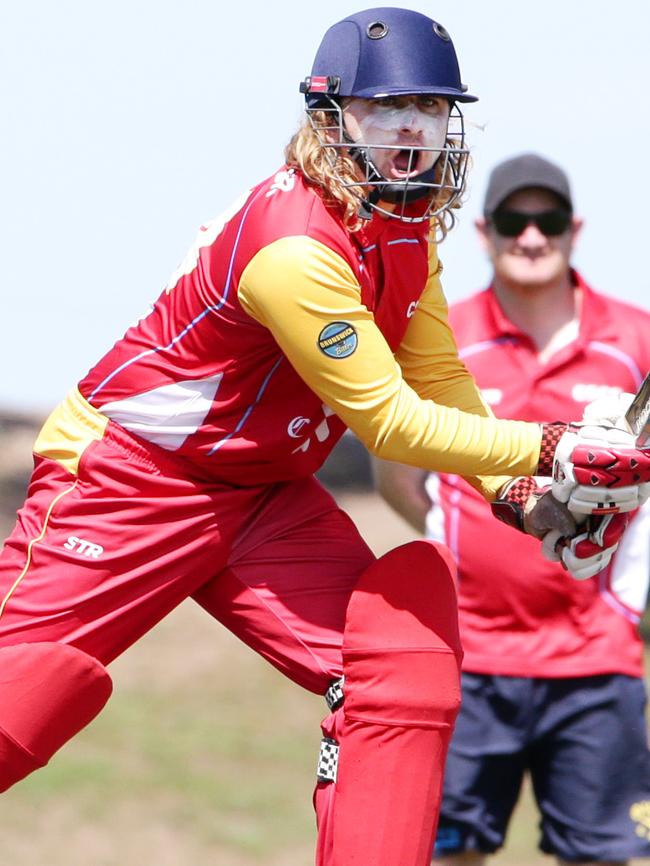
(596, 469)
(586, 554)
(609, 411)
(533, 509)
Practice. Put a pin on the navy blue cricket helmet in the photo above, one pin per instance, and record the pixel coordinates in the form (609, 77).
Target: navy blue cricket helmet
(389, 52)
(386, 52)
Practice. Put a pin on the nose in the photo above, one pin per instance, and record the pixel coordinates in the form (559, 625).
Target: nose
(411, 120)
(531, 236)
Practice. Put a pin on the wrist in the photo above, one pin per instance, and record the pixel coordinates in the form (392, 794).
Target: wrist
(510, 507)
(551, 435)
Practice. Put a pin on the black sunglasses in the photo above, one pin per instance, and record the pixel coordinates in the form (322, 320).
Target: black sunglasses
(511, 223)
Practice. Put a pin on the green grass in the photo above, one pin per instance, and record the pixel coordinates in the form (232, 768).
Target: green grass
(212, 762)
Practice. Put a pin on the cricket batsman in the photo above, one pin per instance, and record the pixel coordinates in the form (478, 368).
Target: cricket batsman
(182, 463)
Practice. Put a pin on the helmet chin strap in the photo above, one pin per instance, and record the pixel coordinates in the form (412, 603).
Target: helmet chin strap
(418, 187)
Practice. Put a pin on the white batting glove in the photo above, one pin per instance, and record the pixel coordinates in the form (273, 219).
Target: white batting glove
(584, 551)
(529, 508)
(609, 411)
(598, 470)
(586, 554)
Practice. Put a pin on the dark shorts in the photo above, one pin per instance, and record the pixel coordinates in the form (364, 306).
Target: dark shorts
(584, 742)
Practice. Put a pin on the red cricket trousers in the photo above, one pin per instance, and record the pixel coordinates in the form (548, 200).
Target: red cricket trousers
(97, 559)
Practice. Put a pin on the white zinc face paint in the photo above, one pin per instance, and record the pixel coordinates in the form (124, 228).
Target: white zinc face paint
(389, 127)
(408, 118)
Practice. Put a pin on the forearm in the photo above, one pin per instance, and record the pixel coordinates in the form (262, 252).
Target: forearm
(403, 488)
(445, 439)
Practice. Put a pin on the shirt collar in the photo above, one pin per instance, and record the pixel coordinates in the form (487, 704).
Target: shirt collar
(594, 322)
(387, 228)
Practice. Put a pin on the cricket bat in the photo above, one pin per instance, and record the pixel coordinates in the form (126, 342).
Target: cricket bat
(638, 415)
(638, 420)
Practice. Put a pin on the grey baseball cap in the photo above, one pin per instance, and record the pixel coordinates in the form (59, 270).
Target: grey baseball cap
(523, 172)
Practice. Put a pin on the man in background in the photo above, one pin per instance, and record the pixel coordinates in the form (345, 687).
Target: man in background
(552, 672)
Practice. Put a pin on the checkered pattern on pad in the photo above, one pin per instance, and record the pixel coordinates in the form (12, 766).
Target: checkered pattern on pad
(334, 695)
(328, 760)
(551, 435)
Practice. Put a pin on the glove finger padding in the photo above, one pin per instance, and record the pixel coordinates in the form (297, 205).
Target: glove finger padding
(610, 467)
(590, 552)
(552, 545)
(609, 410)
(597, 470)
(585, 500)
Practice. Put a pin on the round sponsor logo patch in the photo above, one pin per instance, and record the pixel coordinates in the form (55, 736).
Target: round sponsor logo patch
(338, 340)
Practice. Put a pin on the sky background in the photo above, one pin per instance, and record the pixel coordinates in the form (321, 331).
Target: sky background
(126, 125)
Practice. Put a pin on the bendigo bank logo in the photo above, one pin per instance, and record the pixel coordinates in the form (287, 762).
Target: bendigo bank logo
(338, 340)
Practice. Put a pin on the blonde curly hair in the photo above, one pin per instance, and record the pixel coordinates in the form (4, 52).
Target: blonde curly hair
(334, 170)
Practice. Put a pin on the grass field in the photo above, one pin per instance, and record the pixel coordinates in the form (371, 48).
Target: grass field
(203, 757)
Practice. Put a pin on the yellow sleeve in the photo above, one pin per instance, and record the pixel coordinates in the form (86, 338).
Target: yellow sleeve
(296, 287)
(428, 357)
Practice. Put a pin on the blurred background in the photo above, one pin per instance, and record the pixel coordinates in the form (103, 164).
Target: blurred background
(126, 125)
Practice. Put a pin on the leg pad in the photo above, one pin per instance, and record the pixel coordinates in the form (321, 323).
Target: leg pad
(401, 662)
(48, 693)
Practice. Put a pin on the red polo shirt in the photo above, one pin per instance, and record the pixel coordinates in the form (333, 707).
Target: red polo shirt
(519, 614)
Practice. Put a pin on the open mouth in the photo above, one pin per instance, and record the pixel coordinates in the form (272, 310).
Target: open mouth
(405, 163)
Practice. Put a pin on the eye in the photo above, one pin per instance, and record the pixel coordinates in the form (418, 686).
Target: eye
(387, 101)
(432, 104)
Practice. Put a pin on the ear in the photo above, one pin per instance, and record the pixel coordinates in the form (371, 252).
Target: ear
(576, 227)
